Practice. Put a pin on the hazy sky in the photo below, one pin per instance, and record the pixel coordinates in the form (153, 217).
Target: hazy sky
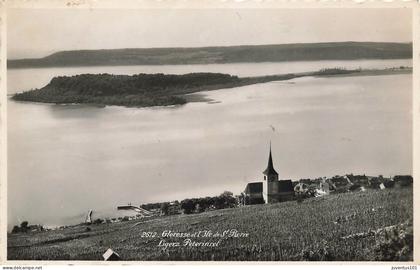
(39, 32)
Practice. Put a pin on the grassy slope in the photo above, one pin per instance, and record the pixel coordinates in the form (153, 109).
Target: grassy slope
(277, 232)
(231, 54)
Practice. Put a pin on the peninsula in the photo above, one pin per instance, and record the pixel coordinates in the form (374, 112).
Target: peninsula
(146, 90)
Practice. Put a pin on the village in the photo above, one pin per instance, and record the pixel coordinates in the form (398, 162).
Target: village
(173, 227)
(270, 190)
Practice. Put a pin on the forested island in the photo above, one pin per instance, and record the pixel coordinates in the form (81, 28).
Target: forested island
(220, 55)
(146, 90)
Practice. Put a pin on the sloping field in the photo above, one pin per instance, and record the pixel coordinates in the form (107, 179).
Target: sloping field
(347, 226)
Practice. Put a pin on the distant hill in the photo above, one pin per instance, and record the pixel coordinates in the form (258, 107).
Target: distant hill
(221, 55)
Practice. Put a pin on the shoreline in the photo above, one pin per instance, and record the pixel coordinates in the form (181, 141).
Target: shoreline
(196, 64)
(222, 54)
(89, 242)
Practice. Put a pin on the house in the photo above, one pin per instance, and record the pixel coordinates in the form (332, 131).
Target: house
(403, 180)
(388, 182)
(339, 183)
(324, 188)
(174, 208)
(300, 188)
(360, 180)
(318, 181)
(111, 255)
(271, 190)
(375, 182)
(305, 181)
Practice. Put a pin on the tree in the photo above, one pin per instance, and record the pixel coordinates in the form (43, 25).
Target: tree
(188, 206)
(24, 225)
(228, 200)
(98, 221)
(227, 194)
(164, 208)
(15, 229)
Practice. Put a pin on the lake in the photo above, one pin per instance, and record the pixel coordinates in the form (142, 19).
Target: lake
(66, 159)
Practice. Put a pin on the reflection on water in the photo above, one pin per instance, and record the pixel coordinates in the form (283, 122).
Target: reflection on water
(74, 111)
(65, 160)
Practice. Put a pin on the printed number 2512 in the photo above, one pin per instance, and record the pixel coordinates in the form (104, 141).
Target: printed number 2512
(148, 234)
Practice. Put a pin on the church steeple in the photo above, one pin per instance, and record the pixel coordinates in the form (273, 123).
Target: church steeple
(270, 173)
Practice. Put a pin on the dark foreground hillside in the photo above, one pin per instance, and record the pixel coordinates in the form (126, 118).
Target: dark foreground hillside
(371, 225)
(221, 55)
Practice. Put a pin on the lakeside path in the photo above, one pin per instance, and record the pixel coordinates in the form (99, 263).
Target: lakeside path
(161, 89)
(339, 227)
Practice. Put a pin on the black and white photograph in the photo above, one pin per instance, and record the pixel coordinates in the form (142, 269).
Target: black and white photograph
(209, 134)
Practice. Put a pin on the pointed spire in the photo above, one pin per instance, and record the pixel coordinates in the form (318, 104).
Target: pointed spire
(270, 168)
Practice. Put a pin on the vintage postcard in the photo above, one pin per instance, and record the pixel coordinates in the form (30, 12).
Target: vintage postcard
(213, 131)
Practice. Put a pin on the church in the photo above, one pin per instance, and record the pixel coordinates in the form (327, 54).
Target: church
(271, 190)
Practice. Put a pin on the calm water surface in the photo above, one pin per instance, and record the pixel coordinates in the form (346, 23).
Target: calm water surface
(65, 160)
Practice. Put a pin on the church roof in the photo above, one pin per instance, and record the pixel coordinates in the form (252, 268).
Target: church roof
(270, 168)
(285, 186)
(256, 187)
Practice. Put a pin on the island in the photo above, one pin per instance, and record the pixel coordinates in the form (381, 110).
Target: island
(146, 90)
